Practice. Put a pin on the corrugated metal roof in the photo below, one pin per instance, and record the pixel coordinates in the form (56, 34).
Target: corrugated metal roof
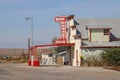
(98, 23)
(105, 44)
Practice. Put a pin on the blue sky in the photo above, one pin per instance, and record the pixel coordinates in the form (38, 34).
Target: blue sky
(15, 30)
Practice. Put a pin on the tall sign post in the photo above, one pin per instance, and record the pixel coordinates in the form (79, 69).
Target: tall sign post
(62, 22)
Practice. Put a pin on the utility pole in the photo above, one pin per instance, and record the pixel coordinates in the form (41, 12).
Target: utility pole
(32, 33)
(30, 41)
(28, 48)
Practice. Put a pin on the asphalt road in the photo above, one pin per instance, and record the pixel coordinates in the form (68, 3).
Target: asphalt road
(24, 72)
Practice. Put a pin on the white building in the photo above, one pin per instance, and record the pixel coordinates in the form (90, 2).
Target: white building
(91, 36)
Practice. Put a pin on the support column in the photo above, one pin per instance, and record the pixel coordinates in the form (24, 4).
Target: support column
(70, 55)
(77, 51)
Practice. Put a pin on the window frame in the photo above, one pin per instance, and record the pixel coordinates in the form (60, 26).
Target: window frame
(106, 31)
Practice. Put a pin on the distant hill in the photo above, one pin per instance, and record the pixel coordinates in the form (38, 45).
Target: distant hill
(12, 51)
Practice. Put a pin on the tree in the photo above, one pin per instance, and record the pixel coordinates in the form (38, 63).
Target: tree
(59, 48)
(111, 57)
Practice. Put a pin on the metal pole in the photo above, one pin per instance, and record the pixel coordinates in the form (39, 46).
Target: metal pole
(31, 18)
(31, 58)
(32, 32)
(28, 48)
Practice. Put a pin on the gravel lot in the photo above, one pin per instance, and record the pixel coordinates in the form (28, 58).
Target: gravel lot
(24, 72)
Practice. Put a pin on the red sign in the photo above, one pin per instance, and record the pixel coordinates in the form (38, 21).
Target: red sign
(59, 41)
(60, 18)
(63, 27)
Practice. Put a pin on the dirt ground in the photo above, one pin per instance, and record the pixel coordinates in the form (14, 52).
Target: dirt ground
(24, 72)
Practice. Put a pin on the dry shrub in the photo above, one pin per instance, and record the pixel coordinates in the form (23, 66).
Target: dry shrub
(93, 61)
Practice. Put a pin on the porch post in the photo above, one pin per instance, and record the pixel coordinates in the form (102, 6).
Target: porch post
(77, 51)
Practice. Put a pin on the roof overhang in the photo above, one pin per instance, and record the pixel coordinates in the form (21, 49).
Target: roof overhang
(77, 36)
(100, 47)
(70, 17)
(48, 45)
(97, 28)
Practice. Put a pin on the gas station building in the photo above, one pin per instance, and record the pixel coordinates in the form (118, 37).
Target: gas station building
(84, 37)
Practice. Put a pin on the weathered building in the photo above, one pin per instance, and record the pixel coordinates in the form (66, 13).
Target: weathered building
(92, 36)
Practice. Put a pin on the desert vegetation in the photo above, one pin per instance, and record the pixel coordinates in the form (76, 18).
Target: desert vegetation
(109, 59)
(13, 55)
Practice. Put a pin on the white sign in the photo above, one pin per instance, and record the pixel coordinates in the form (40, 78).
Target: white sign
(60, 18)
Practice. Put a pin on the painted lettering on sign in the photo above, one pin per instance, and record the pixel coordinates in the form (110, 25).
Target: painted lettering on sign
(60, 18)
(58, 41)
(62, 23)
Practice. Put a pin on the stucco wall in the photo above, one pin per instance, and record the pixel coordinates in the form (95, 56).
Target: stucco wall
(45, 56)
(88, 35)
(71, 22)
(87, 52)
(98, 35)
(72, 31)
(77, 52)
(46, 60)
